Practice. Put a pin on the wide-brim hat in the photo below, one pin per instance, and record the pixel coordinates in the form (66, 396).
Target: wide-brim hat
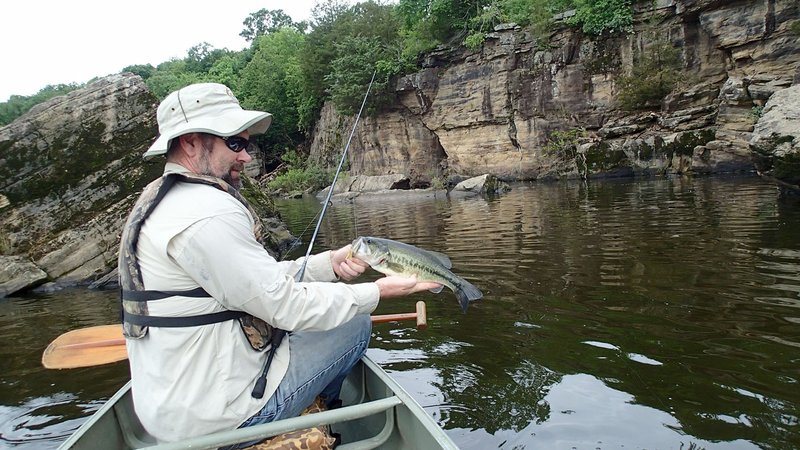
(204, 108)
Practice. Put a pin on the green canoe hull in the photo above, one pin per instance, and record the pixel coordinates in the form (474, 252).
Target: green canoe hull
(376, 413)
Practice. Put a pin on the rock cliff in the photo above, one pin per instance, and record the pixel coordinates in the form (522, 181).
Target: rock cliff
(525, 109)
(70, 170)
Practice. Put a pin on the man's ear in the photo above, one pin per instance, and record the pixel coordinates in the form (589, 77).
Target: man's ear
(191, 144)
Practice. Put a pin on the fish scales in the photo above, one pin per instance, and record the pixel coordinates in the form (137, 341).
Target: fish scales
(397, 258)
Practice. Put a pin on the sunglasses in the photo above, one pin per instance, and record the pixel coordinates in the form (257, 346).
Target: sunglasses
(236, 143)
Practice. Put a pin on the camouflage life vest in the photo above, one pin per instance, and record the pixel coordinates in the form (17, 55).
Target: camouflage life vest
(135, 316)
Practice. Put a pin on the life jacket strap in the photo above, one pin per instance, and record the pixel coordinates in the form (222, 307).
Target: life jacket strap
(181, 321)
(146, 296)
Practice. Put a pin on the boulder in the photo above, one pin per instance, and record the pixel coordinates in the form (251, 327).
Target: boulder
(18, 273)
(776, 138)
(366, 183)
(484, 184)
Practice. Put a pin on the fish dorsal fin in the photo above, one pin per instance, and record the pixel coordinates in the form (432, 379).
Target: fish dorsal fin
(441, 257)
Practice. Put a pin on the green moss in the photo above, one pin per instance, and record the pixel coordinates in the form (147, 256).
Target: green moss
(788, 168)
(603, 57)
(601, 158)
(795, 28)
(686, 142)
(261, 202)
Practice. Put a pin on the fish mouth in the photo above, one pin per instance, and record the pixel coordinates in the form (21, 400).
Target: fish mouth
(354, 247)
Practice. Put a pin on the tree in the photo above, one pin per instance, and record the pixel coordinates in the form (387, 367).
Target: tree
(362, 38)
(597, 17)
(143, 70)
(265, 21)
(18, 105)
(272, 82)
(171, 76)
(202, 57)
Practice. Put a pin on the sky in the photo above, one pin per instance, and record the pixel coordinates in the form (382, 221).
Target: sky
(46, 42)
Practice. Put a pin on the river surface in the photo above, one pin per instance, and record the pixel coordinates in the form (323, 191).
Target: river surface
(628, 314)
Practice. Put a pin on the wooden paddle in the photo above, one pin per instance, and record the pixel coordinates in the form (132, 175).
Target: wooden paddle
(104, 344)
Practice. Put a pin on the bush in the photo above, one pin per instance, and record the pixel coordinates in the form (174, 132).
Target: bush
(301, 175)
(564, 143)
(655, 73)
(597, 17)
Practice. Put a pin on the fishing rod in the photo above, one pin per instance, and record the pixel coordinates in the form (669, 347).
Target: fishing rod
(278, 335)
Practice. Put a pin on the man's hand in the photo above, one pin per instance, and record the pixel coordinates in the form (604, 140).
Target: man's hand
(394, 286)
(344, 267)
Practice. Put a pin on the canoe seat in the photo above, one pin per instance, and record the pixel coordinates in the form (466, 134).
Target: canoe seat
(316, 438)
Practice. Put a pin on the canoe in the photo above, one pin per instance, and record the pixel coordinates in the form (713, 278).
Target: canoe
(376, 413)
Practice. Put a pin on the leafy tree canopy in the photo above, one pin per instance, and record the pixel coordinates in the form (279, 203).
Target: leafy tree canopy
(18, 105)
(265, 21)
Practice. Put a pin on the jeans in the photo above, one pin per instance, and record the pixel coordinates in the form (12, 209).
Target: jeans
(318, 364)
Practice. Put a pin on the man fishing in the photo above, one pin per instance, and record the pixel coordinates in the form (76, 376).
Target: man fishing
(202, 298)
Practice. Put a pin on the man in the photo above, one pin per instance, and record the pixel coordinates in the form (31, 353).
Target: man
(202, 297)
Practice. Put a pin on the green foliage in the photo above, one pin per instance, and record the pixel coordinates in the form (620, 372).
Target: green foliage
(272, 81)
(597, 17)
(346, 45)
(428, 23)
(794, 28)
(265, 21)
(143, 70)
(439, 20)
(328, 19)
(170, 76)
(534, 14)
(201, 57)
(756, 112)
(474, 41)
(438, 183)
(655, 73)
(564, 143)
(352, 70)
(301, 175)
(226, 70)
(18, 105)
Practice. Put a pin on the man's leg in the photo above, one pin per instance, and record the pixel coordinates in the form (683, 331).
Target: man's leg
(319, 361)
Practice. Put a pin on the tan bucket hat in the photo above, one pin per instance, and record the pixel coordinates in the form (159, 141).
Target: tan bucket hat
(204, 108)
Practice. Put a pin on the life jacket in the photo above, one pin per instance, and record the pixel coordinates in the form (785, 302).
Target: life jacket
(135, 316)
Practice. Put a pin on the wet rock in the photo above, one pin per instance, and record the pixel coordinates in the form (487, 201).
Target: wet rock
(18, 273)
(776, 138)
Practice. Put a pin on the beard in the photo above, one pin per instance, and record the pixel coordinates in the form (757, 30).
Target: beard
(236, 184)
(207, 169)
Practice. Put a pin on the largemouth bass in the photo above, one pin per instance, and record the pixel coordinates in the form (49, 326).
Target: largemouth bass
(397, 258)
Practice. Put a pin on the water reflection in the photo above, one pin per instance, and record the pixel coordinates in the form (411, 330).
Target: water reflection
(644, 309)
(39, 408)
(638, 314)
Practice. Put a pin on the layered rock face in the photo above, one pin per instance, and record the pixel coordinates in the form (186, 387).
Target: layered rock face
(523, 109)
(70, 170)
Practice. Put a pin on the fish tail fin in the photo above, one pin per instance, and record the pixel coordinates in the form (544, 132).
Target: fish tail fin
(466, 293)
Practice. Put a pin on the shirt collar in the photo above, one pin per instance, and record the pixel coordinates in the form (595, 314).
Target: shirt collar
(172, 167)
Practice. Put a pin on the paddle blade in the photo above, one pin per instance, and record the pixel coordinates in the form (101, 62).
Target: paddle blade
(86, 347)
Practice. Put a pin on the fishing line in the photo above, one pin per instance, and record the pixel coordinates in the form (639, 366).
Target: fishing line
(333, 183)
(355, 219)
(278, 334)
(299, 239)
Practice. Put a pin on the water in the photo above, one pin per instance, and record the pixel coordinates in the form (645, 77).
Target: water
(618, 314)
